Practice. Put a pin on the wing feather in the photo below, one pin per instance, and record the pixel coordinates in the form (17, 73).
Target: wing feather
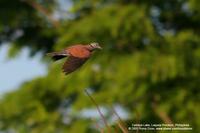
(72, 64)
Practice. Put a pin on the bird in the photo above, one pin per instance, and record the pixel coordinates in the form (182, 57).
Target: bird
(77, 55)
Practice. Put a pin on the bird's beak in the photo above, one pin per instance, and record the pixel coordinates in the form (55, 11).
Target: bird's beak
(99, 47)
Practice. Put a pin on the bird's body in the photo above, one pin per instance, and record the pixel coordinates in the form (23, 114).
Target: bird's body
(80, 51)
(77, 56)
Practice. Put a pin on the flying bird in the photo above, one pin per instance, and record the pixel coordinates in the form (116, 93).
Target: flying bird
(77, 56)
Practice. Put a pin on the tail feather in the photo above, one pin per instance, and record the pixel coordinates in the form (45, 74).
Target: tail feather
(57, 55)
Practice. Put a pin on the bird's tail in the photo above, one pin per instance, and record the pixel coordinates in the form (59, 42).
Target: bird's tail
(57, 55)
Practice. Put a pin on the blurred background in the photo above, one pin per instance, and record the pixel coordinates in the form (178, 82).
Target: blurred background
(148, 70)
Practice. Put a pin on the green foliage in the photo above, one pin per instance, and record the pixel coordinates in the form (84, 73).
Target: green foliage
(22, 25)
(150, 57)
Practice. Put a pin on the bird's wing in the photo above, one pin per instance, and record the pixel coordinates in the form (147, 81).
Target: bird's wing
(72, 64)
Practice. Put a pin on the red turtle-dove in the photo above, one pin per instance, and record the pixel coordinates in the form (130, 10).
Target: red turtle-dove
(77, 56)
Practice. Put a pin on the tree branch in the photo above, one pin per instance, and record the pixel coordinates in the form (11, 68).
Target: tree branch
(121, 124)
(98, 109)
(43, 11)
(163, 116)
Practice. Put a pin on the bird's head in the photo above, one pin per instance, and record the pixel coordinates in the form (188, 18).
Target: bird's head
(95, 45)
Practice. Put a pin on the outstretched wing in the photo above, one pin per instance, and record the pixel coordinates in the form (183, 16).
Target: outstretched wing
(72, 64)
